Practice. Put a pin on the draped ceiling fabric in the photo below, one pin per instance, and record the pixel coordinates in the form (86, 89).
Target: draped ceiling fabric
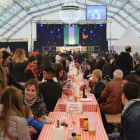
(129, 38)
(16, 14)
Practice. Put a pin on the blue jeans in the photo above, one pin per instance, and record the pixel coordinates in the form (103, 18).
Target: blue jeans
(115, 136)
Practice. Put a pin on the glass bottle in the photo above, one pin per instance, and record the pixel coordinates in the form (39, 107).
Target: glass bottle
(84, 90)
(73, 136)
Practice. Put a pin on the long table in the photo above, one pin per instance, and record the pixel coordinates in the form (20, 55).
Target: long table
(46, 133)
(91, 106)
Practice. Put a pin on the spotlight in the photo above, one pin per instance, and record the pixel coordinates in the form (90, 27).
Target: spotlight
(51, 31)
(41, 25)
(84, 29)
(101, 25)
(91, 32)
(58, 29)
(73, 25)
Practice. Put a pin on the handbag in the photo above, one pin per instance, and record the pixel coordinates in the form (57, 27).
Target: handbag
(10, 138)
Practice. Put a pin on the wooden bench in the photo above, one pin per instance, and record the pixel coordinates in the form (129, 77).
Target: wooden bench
(113, 119)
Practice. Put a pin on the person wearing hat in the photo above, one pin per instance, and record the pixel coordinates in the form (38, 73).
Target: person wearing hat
(10, 79)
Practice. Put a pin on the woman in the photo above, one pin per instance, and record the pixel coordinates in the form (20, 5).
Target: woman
(99, 84)
(29, 71)
(33, 99)
(18, 65)
(10, 79)
(60, 74)
(88, 72)
(12, 116)
(3, 75)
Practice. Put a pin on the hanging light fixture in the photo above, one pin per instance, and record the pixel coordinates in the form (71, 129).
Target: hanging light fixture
(5, 2)
(70, 12)
(1, 38)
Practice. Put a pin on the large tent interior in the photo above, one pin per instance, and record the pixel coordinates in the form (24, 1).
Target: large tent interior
(16, 19)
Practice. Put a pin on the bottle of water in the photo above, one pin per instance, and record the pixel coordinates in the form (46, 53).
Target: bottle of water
(69, 136)
(68, 84)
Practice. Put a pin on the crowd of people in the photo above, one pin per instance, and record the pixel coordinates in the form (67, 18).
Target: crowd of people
(116, 86)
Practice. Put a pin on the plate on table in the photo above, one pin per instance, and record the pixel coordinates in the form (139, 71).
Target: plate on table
(85, 99)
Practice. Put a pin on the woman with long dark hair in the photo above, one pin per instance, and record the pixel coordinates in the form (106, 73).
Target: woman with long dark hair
(29, 71)
(88, 72)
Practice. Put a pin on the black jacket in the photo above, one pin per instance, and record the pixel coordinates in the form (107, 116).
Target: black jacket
(11, 80)
(100, 64)
(80, 59)
(106, 69)
(17, 70)
(29, 75)
(51, 92)
(99, 87)
(87, 72)
(125, 62)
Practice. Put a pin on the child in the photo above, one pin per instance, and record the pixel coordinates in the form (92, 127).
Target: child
(37, 125)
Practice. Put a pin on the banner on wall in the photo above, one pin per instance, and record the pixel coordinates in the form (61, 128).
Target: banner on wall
(71, 35)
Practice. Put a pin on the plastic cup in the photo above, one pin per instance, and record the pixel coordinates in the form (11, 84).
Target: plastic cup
(92, 128)
(81, 119)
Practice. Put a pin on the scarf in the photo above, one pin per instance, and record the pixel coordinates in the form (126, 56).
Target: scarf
(30, 104)
(29, 67)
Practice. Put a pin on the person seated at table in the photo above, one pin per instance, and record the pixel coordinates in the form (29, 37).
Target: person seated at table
(33, 99)
(130, 119)
(50, 90)
(29, 71)
(99, 84)
(111, 97)
(36, 123)
(88, 72)
(60, 74)
(12, 121)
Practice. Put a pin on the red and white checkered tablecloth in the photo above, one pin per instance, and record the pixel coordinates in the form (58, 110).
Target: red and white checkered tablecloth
(46, 133)
(91, 106)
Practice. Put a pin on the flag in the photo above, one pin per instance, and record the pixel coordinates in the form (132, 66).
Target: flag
(71, 35)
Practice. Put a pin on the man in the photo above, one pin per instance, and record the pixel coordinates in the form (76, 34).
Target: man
(111, 96)
(78, 58)
(46, 61)
(137, 56)
(101, 63)
(125, 61)
(58, 57)
(115, 56)
(51, 56)
(50, 90)
(130, 119)
(106, 68)
(99, 86)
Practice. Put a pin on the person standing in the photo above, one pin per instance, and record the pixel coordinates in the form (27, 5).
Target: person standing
(46, 61)
(58, 57)
(125, 61)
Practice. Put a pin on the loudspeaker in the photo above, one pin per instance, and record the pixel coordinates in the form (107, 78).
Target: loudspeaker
(103, 45)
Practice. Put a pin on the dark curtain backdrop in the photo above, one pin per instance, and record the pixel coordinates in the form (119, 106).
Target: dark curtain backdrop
(50, 35)
(14, 45)
(92, 34)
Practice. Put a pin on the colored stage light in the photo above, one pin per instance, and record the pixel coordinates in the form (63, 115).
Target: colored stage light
(101, 25)
(73, 25)
(51, 31)
(84, 29)
(41, 25)
(91, 31)
(58, 29)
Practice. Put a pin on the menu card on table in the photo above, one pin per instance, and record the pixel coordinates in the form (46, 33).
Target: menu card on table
(76, 107)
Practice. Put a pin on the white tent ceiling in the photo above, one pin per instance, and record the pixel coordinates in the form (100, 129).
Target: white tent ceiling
(13, 14)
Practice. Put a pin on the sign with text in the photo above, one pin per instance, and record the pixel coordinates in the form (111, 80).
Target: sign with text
(75, 107)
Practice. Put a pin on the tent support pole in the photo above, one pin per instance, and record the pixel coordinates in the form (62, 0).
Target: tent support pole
(110, 35)
(31, 38)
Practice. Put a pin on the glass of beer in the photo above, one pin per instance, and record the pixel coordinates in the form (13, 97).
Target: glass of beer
(75, 95)
(92, 128)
